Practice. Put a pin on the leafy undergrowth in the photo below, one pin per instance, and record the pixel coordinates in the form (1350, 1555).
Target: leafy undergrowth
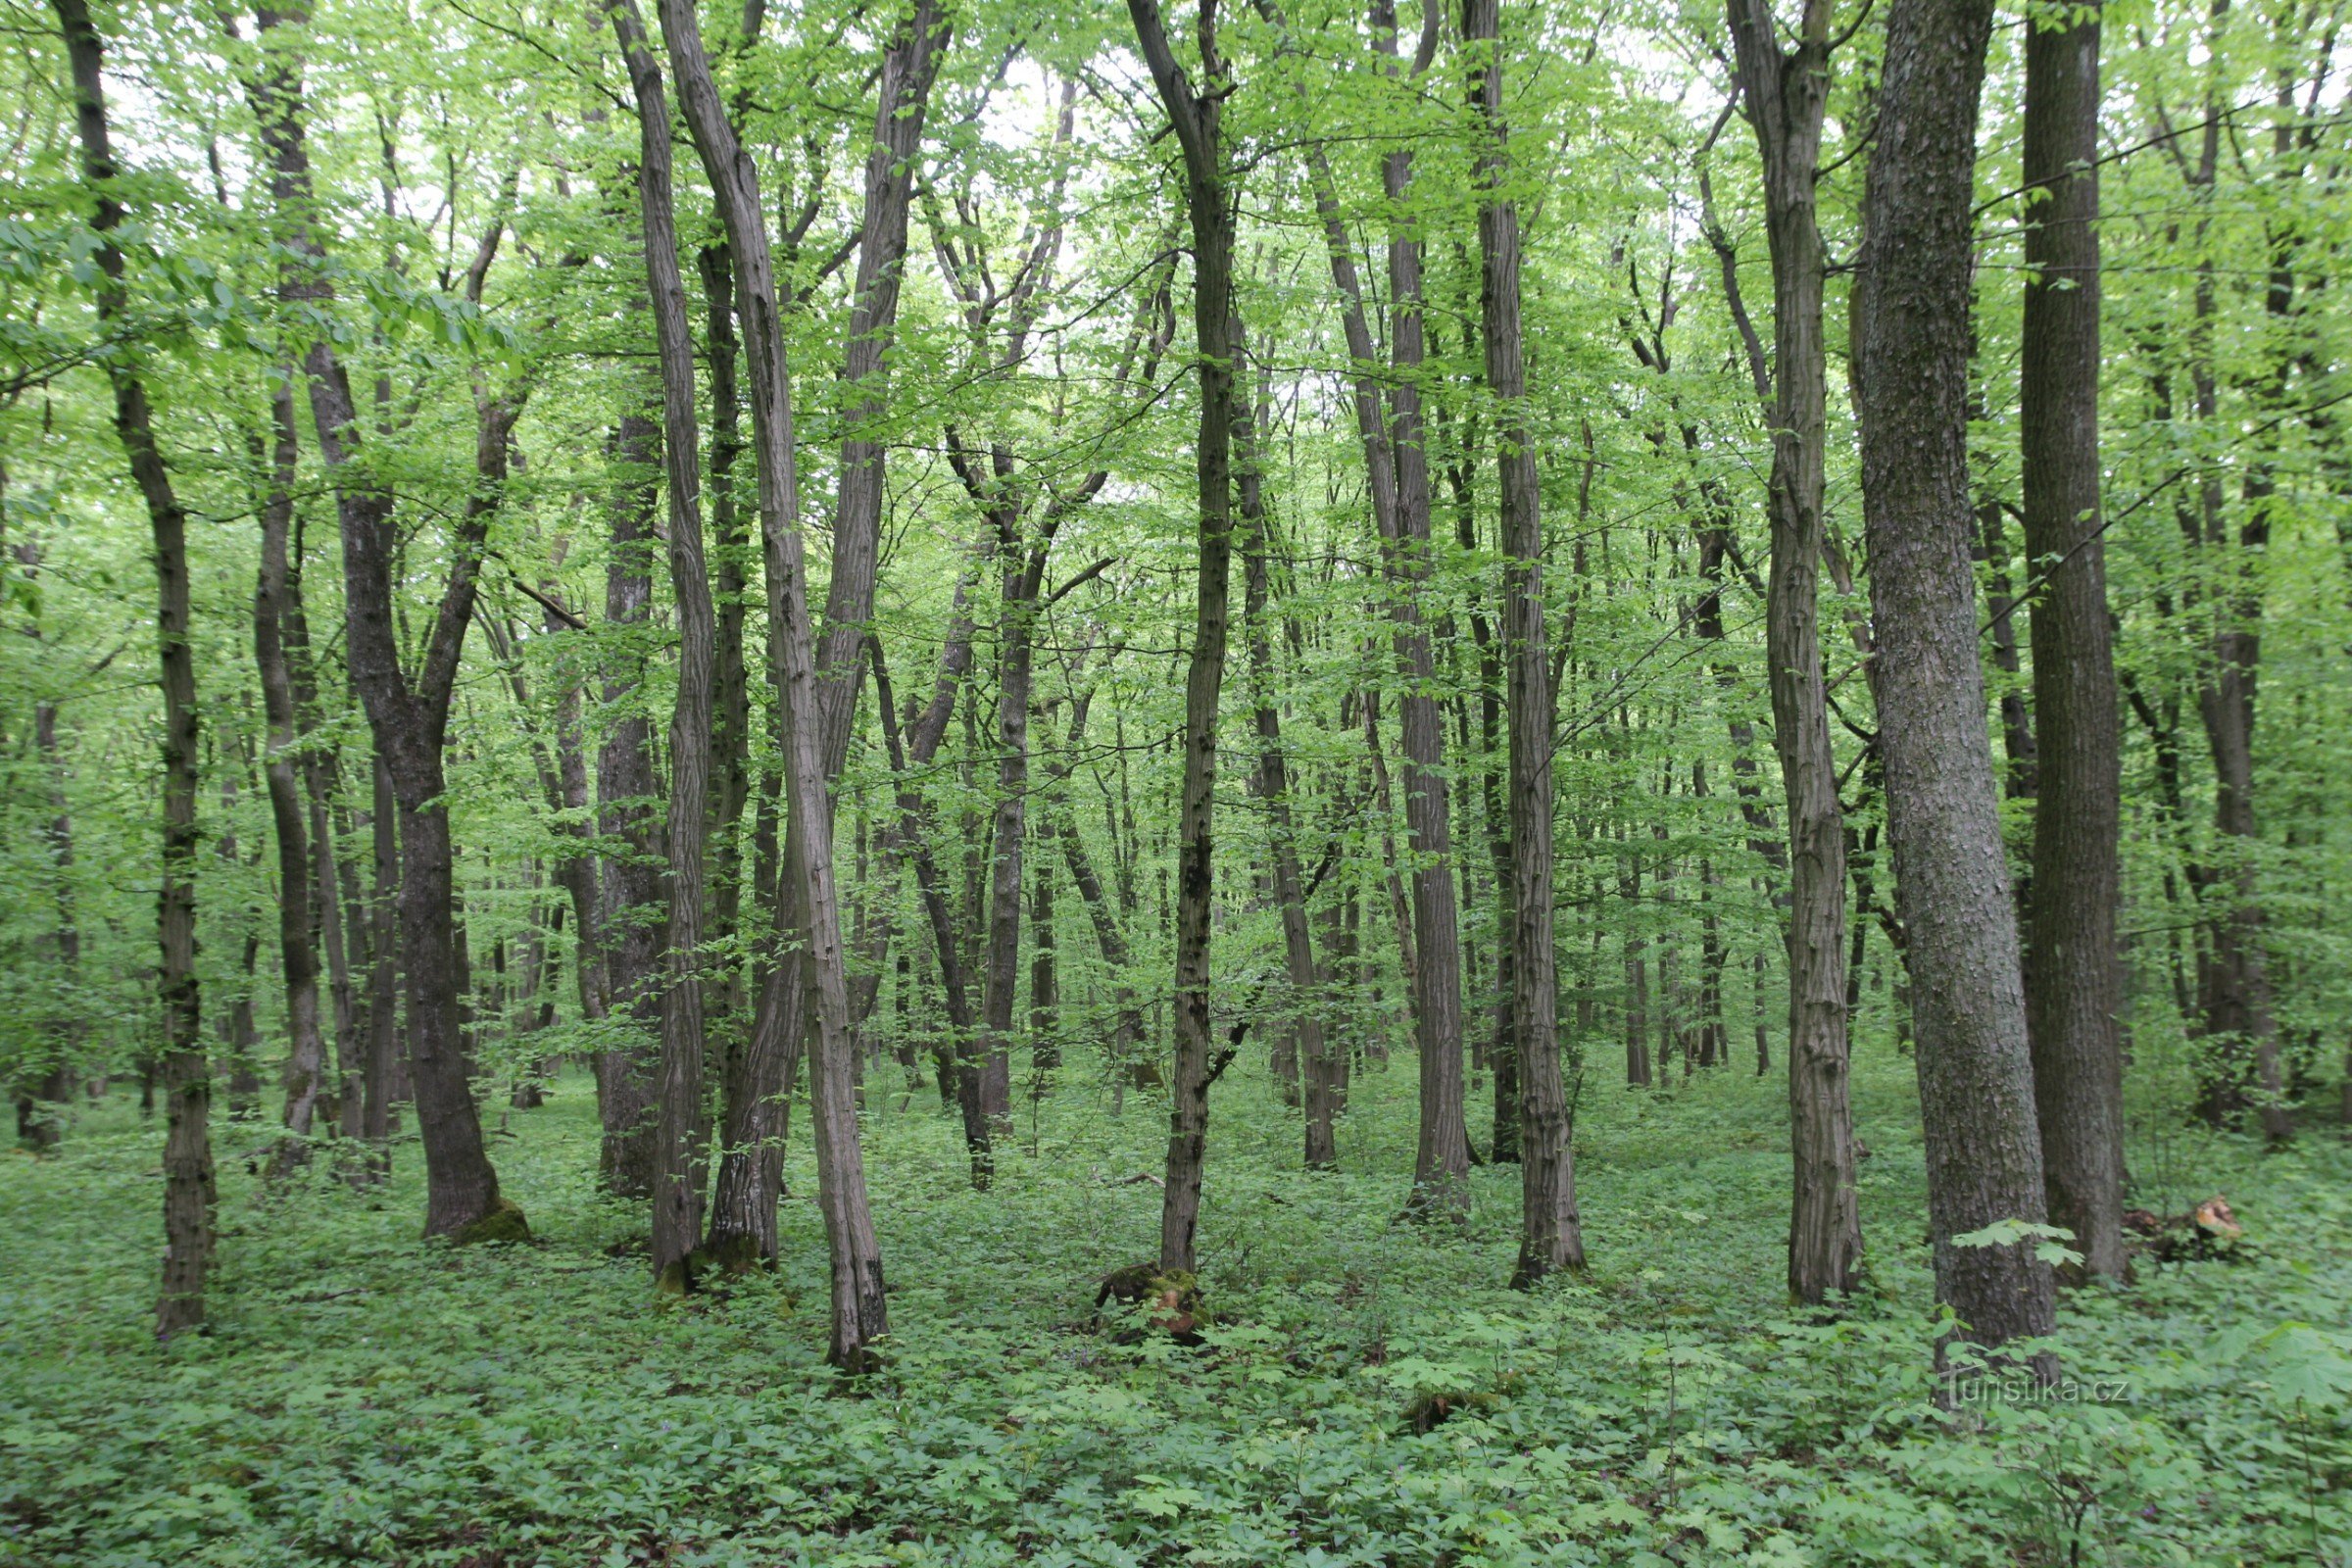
(1367, 1392)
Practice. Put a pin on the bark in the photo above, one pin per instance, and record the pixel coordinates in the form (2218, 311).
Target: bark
(43, 1096)
(1045, 981)
(859, 1314)
(1397, 464)
(188, 1196)
(680, 1131)
(629, 879)
(298, 953)
(1551, 1234)
(2073, 977)
(1942, 803)
(409, 715)
(731, 713)
(750, 1177)
(1304, 1026)
(1787, 93)
(1197, 119)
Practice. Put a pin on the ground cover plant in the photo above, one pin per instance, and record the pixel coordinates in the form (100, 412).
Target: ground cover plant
(1364, 1392)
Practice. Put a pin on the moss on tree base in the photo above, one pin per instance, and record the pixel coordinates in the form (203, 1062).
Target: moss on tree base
(502, 1222)
(1170, 1301)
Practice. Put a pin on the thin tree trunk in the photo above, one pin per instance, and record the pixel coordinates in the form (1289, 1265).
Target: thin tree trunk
(1551, 1234)
(1045, 983)
(859, 1314)
(750, 1176)
(2074, 974)
(1197, 119)
(1943, 803)
(1787, 93)
(298, 954)
(187, 1078)
(1304, 1025)
(680, 1131)
(410, 718)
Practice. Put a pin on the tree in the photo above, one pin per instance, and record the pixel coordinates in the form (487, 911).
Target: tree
(678, 1174)
(1551, 1234)
(859, 1312)
(2074, 975)
(1196, 117)
(1785, 92)
(187, 1078)
(1911, 340)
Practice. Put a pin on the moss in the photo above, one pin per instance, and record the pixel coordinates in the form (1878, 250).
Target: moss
(1170, 1298)
(732, 1253)
(502, 1222)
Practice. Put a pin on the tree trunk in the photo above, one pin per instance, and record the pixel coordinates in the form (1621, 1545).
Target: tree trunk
(410, 718)
(2074, 974)
(298, 954)
(1302, 1021)
(1045, 985)
(859, 1314)
(629, 882)
(750, 1177)
(680, 1131)
(187, 1077)
(1943, 803)
(1551, 1234)
(1786, 93)
(1197, 119)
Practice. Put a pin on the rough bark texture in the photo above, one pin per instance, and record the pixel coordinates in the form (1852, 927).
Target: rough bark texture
(859, 1314)
(1196, 118)
(1785, 92)
(1943, 803)
(2073, 977)
(1551, 1235)
(187, 1077)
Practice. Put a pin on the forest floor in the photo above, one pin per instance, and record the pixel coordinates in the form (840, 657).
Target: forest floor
(365, 1397)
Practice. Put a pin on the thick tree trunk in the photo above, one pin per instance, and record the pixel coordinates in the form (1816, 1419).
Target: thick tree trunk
(1786, 95)
(187, 1078)
(859, 1314)
(1943, 803)
(2074, 974)
(1197, 119)
(1551, 1235)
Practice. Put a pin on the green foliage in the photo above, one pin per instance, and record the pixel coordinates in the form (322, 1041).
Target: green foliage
(363, 1397)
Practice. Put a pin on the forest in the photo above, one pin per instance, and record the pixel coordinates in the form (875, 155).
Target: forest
(1214, 781)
